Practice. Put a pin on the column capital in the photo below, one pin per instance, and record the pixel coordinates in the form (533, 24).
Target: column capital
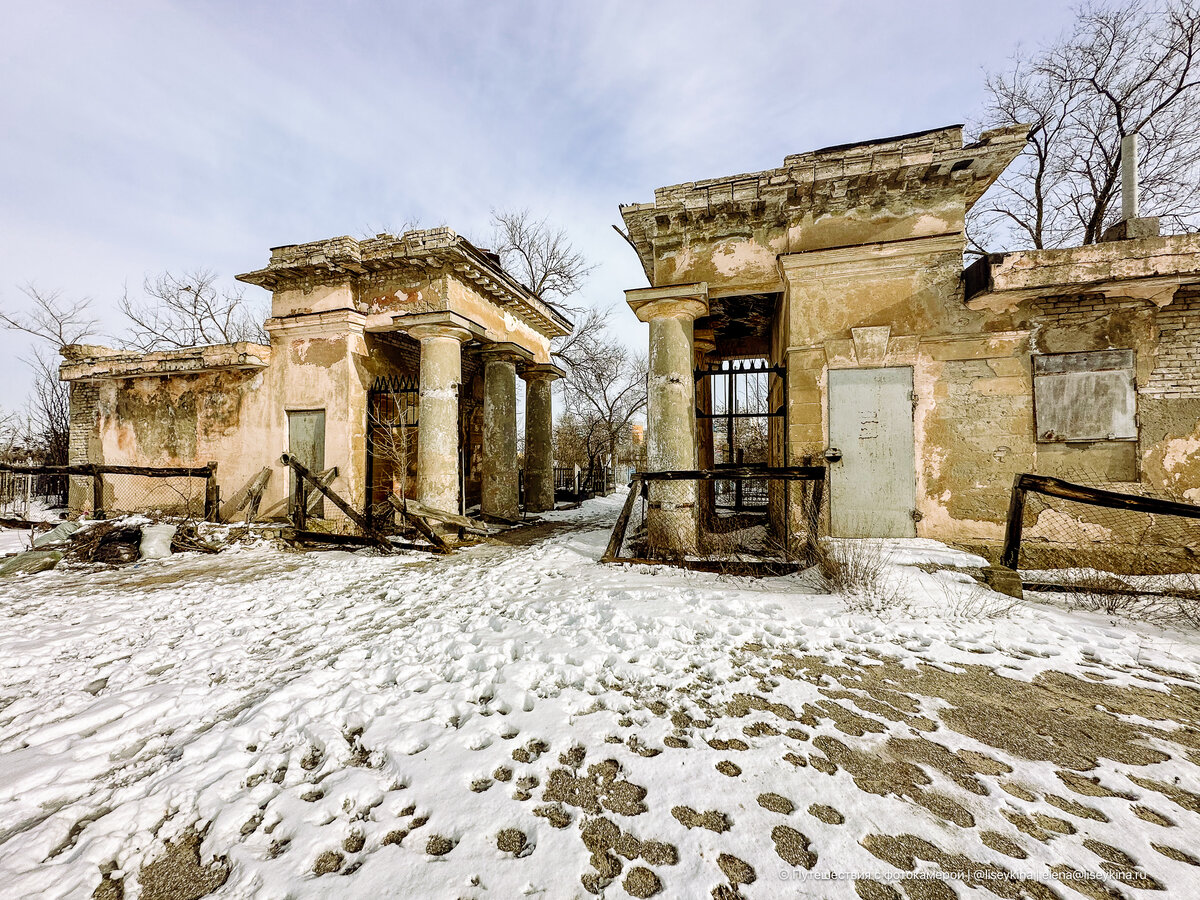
(439, 324)
(704, 341)
(543, 372)
(505, 351)
(680, 301)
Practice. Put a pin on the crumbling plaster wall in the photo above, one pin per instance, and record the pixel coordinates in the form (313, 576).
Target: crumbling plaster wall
(173, 420)
(733, 253)
(901, 304)
(974, 413)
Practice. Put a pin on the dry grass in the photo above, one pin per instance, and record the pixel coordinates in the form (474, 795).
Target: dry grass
(861, 571)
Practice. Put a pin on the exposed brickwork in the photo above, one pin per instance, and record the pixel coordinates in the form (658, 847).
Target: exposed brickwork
(85, 402)
(1176, 372)
(1073, 313)
(85, 398)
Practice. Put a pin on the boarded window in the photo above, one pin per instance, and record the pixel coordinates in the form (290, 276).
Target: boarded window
(1085, 396)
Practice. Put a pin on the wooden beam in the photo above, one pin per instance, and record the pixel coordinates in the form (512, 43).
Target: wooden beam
(89, 469)
(412, 507)
(618, 536)
(1056, 487)
(790, 473)
(302, 471)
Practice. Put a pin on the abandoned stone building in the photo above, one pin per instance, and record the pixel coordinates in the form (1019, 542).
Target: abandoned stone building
(925, 388)
(837, 281)
(394, 360)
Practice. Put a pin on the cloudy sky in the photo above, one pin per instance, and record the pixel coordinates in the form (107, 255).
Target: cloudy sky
(141, 137)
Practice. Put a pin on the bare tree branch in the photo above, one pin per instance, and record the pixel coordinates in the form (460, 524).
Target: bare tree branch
(51, 318)
(1123, 70)
(189, 311)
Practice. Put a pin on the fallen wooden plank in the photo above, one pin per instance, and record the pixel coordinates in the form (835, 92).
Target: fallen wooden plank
(348, 540)
(618, 536)
(412, 507)
(245, 495)
(756, 568)
(428, 532)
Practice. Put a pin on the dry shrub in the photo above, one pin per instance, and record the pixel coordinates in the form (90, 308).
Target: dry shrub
(977, 602)
(861, 571)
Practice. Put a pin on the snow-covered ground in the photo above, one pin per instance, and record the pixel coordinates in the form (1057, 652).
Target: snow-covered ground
(517, 720)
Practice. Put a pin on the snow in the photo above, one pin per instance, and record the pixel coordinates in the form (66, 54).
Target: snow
(288, 704)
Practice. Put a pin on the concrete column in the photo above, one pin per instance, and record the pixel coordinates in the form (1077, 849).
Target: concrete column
(539, 437)
(672, 515)
(437, 435)
(500, 434)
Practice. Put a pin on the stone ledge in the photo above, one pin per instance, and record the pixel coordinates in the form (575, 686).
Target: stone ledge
(1145, 269)
(92, 363)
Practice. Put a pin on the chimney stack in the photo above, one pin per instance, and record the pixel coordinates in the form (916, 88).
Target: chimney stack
(1132, 226)
(1129, 177)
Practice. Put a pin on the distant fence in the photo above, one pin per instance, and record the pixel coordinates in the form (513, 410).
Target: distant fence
(575, 483)
(21, 492)
(171, 490)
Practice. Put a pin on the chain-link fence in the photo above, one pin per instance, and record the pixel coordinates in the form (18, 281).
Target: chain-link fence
(755, 521)
(1088, 522)
(166, 496)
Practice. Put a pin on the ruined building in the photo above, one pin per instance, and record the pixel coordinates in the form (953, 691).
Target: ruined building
(394, 360)
(925, 387)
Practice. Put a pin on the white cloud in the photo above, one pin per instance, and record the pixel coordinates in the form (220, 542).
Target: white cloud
(145, 136)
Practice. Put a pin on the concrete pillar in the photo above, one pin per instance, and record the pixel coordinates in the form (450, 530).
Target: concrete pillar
(437, 435)
(500, 434)
(539, 436)
(1129, 177)
(672, 515)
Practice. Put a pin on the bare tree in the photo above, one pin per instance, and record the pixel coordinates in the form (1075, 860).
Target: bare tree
(603, 394)
(58, 322)
(539, 255)
(189, 311)
(52, 318)
(1132, 69)
(49, 411)
(543, 259)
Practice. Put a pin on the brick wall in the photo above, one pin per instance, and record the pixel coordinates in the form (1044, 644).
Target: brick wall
(1176, 372)
(85, 397)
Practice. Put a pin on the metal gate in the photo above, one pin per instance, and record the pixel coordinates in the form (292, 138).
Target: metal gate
(393, 405)
(738, 400)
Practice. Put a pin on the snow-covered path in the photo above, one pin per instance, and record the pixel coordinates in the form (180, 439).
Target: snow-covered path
(519, 721)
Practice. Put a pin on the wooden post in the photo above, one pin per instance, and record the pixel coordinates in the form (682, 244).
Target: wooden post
(618, 536)
(1010, 556)
(97, 493)
(817, 495)
(300, 499)
(212, 494)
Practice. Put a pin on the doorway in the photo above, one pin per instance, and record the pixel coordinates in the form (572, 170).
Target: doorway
(306, 444)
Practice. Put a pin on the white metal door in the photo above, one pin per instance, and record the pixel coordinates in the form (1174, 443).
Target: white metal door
(873, 488)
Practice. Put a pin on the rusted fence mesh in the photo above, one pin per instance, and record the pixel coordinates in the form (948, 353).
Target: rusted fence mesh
(181, 496)
(1088, 522)
(751, 521)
